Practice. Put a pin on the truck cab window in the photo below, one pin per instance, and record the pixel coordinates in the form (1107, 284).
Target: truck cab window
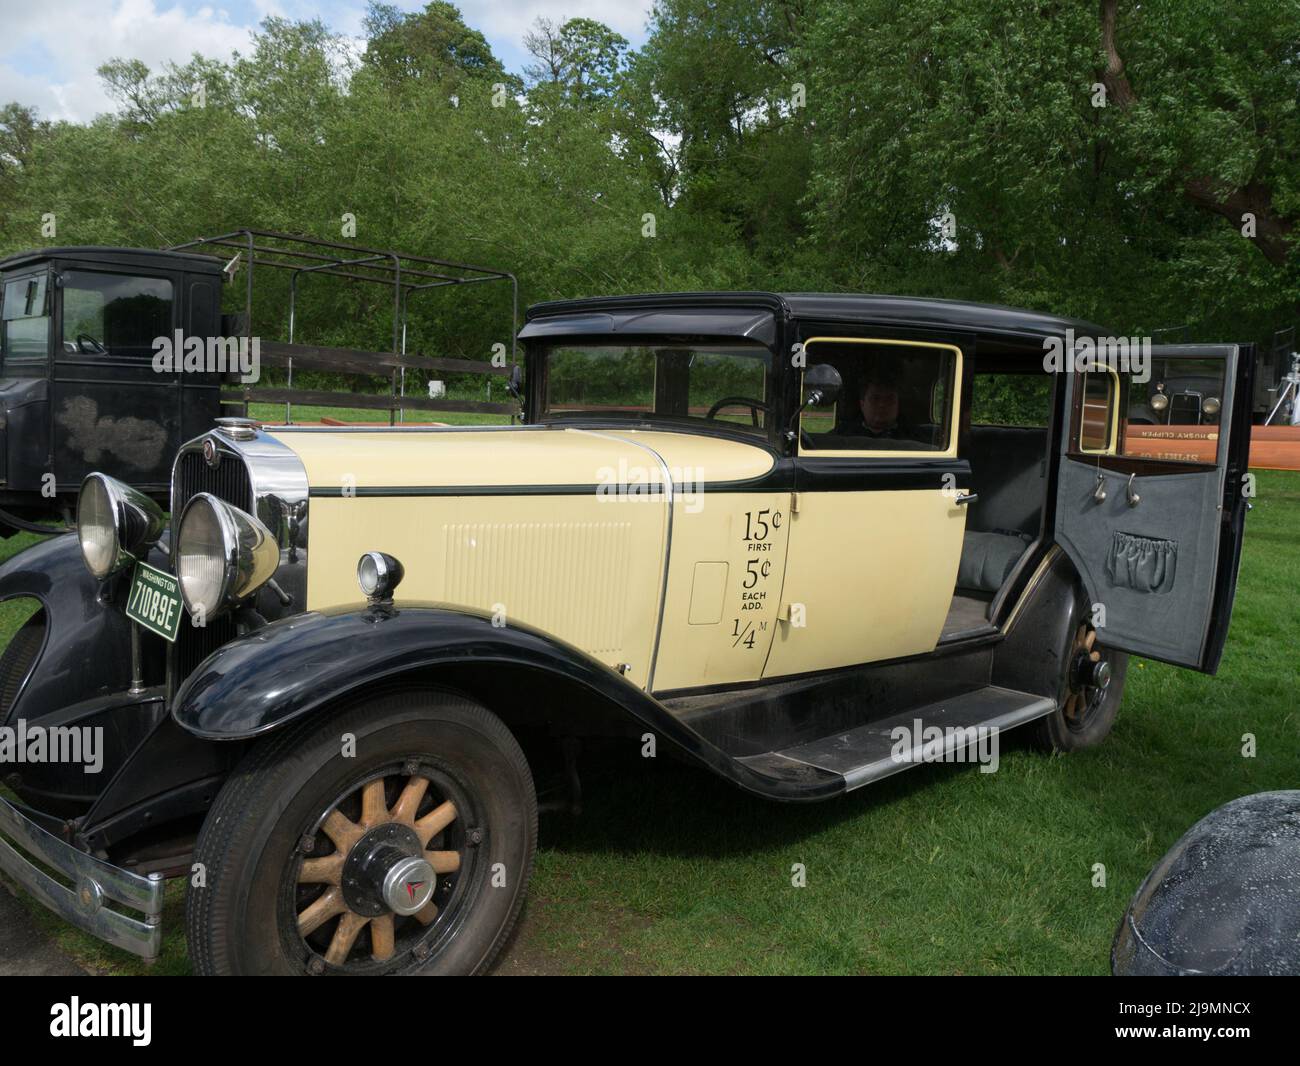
(114, 314)
(26, 318)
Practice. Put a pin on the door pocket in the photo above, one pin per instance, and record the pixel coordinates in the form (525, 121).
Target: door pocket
(1142, 564)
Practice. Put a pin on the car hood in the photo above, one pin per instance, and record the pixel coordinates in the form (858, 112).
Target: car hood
(536, 457)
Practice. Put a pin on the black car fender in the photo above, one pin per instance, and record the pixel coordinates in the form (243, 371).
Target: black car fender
(86, 647)
(70, 665)
(310, 662)
(1040, 630)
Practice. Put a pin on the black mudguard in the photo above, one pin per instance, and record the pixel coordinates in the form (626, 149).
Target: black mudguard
(1033, 656)
(86, 651)
(303, 664)
(80, 675)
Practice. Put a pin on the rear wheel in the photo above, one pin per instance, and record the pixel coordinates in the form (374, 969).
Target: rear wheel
(396, 836)
(1093, 691)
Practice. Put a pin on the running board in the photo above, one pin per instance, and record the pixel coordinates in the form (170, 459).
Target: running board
(867, 753)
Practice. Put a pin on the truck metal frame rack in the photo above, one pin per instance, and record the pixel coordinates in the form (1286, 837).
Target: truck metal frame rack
(404, 273)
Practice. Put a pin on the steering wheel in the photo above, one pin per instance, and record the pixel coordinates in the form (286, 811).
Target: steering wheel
(87, 343)
(740, 401)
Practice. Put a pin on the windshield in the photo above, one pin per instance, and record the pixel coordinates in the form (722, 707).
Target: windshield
(717, 383)
(114, 314)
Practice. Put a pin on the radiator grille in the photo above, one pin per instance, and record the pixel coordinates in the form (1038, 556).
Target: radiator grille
(194, 644)
(227, 481)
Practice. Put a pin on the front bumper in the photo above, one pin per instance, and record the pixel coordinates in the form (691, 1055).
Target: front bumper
(94, 884)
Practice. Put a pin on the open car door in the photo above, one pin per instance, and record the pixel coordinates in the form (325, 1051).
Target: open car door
(1151, 497)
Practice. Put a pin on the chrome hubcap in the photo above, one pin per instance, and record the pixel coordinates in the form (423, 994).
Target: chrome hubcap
(409, 885)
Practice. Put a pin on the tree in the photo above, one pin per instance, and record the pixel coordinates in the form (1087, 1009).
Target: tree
(582, 57)
(967, 151)
(725, 76)
(21, 132)
(433, 44)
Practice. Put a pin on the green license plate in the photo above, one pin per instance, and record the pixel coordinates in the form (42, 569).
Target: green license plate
(155, 601)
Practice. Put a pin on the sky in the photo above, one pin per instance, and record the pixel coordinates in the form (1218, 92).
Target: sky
(50, 48)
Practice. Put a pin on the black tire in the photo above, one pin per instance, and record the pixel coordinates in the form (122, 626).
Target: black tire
(1057, 733)
(242, 921)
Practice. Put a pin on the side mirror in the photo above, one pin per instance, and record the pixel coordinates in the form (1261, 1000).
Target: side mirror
(822, 384)
(515, 386)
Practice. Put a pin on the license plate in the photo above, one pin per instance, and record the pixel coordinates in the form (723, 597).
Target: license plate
(155, 601)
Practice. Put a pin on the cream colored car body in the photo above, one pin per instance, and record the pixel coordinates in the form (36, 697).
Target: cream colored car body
(642, 548)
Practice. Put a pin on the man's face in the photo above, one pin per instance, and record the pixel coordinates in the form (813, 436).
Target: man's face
(879, 405)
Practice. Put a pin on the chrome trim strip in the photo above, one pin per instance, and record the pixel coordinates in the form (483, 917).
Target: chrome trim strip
(668, 545)
(93, 882)
(1034, 581)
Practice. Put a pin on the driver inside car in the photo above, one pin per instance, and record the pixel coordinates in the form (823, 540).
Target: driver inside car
(877, 413)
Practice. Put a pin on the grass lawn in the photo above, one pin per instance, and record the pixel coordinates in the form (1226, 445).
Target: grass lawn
(939, 870)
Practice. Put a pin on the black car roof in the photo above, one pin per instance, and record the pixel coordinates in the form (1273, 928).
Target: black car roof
(921, 312)
(134, 258)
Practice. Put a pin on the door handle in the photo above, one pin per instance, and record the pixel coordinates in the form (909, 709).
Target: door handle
(1133, 498)
(965, 498)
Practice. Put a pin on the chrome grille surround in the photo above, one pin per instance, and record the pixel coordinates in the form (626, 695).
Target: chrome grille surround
(266, 479)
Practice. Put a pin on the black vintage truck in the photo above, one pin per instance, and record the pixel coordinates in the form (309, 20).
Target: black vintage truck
(78, 389)
(81, 389)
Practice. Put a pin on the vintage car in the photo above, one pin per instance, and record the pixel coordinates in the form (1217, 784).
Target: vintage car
(774, 536)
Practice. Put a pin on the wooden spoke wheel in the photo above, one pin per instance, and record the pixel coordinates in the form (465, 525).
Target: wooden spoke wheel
(380, 867)
(1091, 686)
(1089, 680)
(407, 850)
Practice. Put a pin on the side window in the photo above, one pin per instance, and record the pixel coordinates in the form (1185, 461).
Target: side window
(26, 318)
(897, 396)
(114, 314)
(1170, 413)
(1097, 423)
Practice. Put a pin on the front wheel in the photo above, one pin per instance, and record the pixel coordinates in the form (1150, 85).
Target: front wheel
(394, 836)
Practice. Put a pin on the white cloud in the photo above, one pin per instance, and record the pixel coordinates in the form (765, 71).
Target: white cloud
(510, 19)
(52, 48)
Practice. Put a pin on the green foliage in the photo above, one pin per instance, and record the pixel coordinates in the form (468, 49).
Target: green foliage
(432, 45)
(1011, 400)
(929, 148)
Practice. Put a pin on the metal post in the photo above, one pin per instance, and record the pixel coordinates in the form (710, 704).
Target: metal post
(248, 307)
(397, 310)
(137, 671)
(293, 301)
(514, 329)
(401, 414)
